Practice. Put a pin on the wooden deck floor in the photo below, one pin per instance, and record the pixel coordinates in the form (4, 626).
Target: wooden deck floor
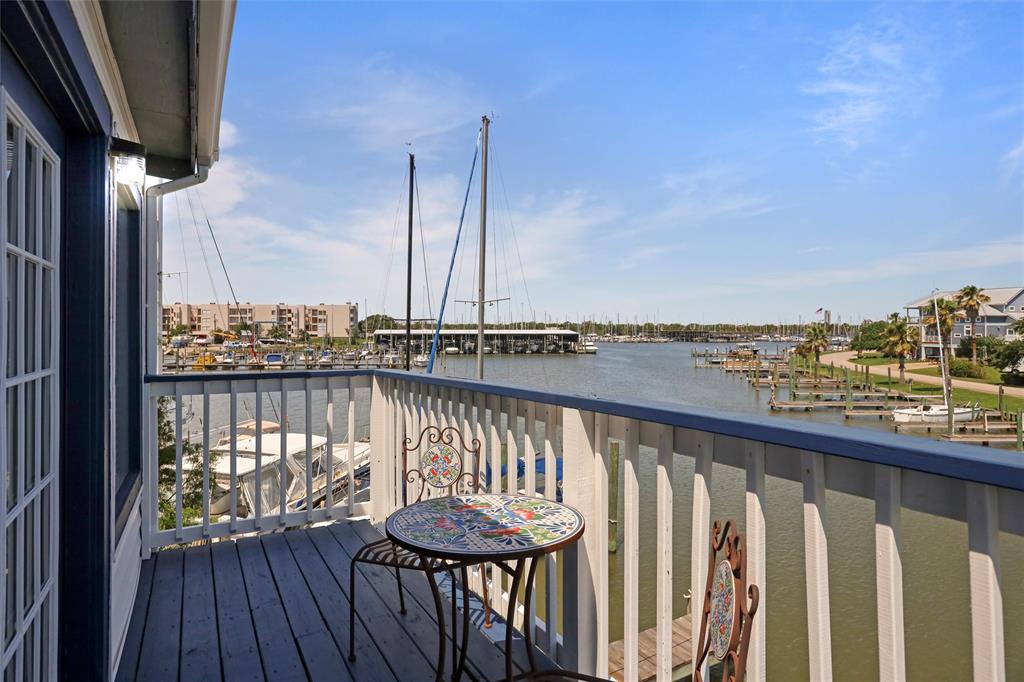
(276, 607)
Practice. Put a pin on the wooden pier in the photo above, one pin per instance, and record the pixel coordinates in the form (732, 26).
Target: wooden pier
(682, 659)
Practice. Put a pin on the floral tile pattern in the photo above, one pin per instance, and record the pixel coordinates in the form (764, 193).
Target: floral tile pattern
(721, 618)
(489, 525)
(441, 465)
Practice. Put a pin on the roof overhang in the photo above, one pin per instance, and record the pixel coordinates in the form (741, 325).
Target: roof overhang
(172, 58)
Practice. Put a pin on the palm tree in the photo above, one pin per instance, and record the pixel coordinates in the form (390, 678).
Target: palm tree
(901, 341)
(1018, 327)
(817, 341)
(971, 298)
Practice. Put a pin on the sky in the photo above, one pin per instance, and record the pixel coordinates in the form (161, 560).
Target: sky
(656, 162)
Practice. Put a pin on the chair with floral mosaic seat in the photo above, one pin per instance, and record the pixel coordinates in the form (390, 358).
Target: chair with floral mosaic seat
(442, 455)
(729, 606)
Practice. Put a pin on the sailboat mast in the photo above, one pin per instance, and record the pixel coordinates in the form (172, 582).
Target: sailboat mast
(483, 252)
(942, 353)
(408, 271)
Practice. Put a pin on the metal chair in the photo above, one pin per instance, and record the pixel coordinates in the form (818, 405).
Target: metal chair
(727, 619)
(441, 471)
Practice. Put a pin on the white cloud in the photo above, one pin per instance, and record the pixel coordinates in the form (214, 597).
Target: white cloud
(1013, 160)
(644, 254)
(869, 75)
(384, 106)
(360, 252)
(229, 135)
(715, 191)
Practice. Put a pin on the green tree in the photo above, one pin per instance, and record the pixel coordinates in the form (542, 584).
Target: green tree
(901, 341)
(278, 332)
(1011, 361)
(304, 337)
(1017, 327)
(869, 336)
(971, 299)
(179, 330)
(372, 323)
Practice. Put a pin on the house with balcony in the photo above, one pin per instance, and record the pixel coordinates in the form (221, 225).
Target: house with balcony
(140, 543)
(994, 319)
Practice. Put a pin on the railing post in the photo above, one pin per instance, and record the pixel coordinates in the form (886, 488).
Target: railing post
(987, 645)
(756, 556)
(816, 561)
(378, 450)
(700, 535)
(581, 569)
(889, 573)
(150, 471)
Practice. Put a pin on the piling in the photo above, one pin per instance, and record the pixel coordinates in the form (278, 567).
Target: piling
(1000, 406)
(1020, 430)
(849, 389)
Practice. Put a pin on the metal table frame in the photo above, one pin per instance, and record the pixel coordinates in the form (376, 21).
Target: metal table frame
(514, 564)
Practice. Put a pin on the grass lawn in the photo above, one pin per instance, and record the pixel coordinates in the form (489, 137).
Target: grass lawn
(992, 375)
(960, 395)
(875, 360)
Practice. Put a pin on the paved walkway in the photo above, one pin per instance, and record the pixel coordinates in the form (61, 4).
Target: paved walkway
(843, 360)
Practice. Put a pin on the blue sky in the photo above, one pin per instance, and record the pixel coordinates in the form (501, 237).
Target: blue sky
(678, 162)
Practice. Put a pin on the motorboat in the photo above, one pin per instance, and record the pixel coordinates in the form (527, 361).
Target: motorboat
(420, 360)
(326, 358)
(931, 414)
(274, 360)
(586, 347)
(452, 350)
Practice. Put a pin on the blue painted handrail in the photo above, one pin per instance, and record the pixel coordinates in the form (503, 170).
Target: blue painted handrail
(956, 460)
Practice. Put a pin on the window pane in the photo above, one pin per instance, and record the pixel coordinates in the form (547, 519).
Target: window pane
(12, 315)
(44, 534)
(29, 311)
(47, 208)
(11, 171)
(29, 186)
(44, 640)
(45, 426)
(28, 558)
(47, 313)
(13, 429)
(11, 583)
(29, 422)
(28, 667)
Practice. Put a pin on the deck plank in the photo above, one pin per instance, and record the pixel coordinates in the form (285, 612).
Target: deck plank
(391, 631)
(332, 600)
(161, 641)
(484, 656)
(278, 650)
(132, 647)
(200, 653)
(240, 657)
(320, 653)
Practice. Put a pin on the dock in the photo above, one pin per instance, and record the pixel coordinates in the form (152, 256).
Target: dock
(682, 659)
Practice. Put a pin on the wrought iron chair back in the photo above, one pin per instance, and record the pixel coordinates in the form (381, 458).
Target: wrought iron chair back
(442, 456)
(729, 606)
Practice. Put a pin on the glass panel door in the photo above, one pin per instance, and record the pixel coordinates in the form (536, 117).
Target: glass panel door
(28, 398)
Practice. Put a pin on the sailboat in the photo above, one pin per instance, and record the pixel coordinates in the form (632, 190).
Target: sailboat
(935, 414)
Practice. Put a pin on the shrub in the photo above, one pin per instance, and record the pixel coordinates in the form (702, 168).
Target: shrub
(965, 369)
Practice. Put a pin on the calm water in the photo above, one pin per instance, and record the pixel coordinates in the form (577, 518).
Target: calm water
(936, 600)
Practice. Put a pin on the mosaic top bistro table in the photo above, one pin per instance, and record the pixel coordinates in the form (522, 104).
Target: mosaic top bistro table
(468, 530)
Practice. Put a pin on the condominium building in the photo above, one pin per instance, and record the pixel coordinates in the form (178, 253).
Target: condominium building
(321, 320)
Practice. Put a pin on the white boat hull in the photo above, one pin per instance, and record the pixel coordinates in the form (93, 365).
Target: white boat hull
(931, 414)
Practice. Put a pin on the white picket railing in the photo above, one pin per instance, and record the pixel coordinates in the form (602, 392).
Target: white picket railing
(979, 487)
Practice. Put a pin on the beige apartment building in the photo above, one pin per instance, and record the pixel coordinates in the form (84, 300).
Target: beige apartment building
(324, 319)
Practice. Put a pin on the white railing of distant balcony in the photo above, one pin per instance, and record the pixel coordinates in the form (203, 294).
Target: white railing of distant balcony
(980, 488)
